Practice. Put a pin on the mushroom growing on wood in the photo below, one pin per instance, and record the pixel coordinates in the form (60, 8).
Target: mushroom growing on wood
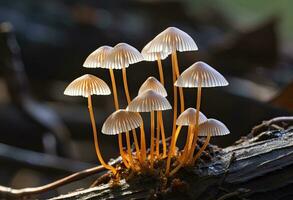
(86, 86)
(121, 56)
(96, 60)
(169, 41)
(122, 121)
(149, 101)
(187, 118)
(158, 56)
(211, 127)
(197, 76)
(153, 84)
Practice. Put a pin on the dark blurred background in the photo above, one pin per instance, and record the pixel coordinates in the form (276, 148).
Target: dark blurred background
(45, 135)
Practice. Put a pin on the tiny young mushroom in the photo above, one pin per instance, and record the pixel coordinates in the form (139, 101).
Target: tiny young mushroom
(152, 56)
(200, 75)
(187, 118)
(86, 86)
(123, 121)
(211, 127)
(153, 84)
(149, 101)
(169, 41)
(96, 60)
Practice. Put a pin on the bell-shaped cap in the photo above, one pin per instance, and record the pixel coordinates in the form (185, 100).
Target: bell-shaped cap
(172, 39)
(200, 72)
(149, 101)
(87, 85)
(121, 121)
(97, 58)
(121, 56)
(152, 56)
(213, 127)
(188, 117)
(153, 84)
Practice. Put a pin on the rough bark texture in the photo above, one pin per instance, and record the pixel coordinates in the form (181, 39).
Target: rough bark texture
(260, 167)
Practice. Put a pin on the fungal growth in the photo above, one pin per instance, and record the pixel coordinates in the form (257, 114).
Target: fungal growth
(145, 154)
(86, 86)
(170, 41)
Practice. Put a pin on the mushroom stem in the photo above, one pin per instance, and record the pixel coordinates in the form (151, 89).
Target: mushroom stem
(190, 141)
(116, 102)
(174, 100)
(142, 142)
(136, 145)
(202, 148)
(181, 94)
(121, 151)
(152, 138)
(198, 102)
(158, 136)
(172, 147)
(160, 67)
(124, 74)
(194, 144)
(98, 152)
(185, 149)
(163, 134)
(129, 149)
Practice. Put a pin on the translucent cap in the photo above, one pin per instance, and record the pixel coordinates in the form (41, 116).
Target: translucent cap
(96, 58)
(121, 121)
(188, 117)
(149, 101)
(122, 55)
(152, 56)
(153, 84)
(172, 39)
(87, 85)
(201, 72)
(213, 127)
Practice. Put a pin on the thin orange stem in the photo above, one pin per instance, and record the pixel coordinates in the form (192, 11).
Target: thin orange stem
(142, 142)
(124, 74)
(194, 144)
(174, 99)
(124, 159)
(136, 145)
(129, 152)
(152, 138)
(181, 94)
(163, 135)
(160, 67)
(158, 136)
(116, 102)
(202, 148)
(190, 142)
(185, 149)
(172, 146)
(98, 152)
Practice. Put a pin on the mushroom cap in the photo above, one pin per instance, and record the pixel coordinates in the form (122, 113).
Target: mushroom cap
(149, 101)
(152, 56)
(121, 56)
(188, 117)
(153, 84)
(214, 127)
(172, 39)
(121, 121)
(97, 57)
(87, 85)
(200, 71)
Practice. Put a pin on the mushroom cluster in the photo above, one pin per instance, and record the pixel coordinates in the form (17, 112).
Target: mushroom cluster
(152, 98)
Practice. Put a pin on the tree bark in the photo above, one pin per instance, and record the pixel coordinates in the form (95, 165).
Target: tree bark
(259, 167)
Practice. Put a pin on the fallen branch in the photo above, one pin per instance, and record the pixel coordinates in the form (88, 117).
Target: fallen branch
(6, 192)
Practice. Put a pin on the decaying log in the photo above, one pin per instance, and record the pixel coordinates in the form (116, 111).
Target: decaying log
(260, 167)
